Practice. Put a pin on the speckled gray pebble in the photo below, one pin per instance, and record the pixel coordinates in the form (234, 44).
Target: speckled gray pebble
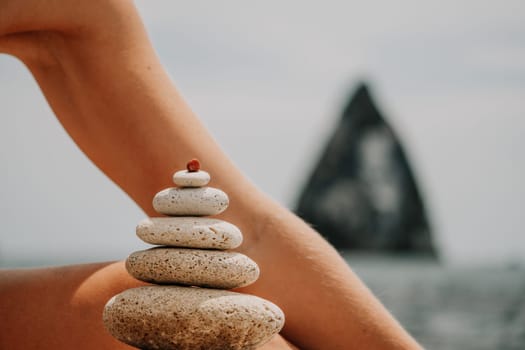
(194, 267)
(185, 178)
(192, 232)
(190, 201)
(185, 318)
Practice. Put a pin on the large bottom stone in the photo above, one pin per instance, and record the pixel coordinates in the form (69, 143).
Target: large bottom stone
(172, 317)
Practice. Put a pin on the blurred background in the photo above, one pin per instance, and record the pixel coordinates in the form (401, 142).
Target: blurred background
(271, 81)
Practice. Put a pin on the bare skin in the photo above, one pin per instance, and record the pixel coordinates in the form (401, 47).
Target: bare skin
(98, 71)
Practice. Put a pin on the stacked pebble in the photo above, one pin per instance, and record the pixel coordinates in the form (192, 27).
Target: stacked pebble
(192, 253)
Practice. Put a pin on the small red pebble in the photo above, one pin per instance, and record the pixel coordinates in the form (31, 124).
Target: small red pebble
(193, 165)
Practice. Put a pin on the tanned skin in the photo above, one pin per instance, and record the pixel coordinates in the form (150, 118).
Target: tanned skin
(97, 69)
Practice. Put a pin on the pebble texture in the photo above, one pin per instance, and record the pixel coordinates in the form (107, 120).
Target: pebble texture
(186, 178)
(184, 318)
(194, 267)
(194, 232)
(190, 201)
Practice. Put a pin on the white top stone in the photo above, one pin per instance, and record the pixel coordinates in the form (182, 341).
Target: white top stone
(191, 232)
(185, 178)
(181, 201)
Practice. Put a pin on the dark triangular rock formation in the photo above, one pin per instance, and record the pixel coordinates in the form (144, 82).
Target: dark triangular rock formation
(362, 194)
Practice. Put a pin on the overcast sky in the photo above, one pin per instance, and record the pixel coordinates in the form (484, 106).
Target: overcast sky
(270, 79)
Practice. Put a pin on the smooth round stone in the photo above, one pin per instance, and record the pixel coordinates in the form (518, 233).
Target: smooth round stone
(193, 267)
(184, 318)
(192, 232)
(190, 201)
(185, 178)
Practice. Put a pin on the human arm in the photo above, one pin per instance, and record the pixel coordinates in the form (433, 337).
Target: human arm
(107, 87)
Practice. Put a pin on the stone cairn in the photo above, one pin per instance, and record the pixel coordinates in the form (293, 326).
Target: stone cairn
(190, 308)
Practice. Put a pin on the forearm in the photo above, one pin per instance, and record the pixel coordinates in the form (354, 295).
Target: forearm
(59, 308)
(110, 92)
(300, 272)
